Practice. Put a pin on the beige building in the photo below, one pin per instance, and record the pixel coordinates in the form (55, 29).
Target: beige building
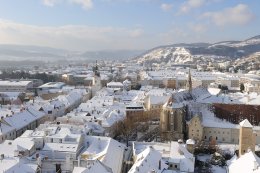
(154, 105)
(195, 128)
(135, 111)
(170, 82)
(221, 133)
(252, 88)
(200, 131)
(247, 137)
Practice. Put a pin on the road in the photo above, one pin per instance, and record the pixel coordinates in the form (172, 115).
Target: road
(128, 161)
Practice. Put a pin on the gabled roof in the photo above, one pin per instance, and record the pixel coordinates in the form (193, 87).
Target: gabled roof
(246, 123)
(106, 150)
(147, 161)
(96, 166)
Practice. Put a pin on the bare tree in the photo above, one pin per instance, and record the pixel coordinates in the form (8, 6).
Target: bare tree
(125, 128)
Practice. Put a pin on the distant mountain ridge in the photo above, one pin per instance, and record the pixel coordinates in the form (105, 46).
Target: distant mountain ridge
(39, 53)
(182, 53)
(190, 53)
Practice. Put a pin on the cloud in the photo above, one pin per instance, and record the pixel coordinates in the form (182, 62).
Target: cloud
(198, 28)
(136, 33)
(73, 37)
(166, 7)
(190, 4)
(86, 4)
(50, 3)
(174, 35)
(238, 15)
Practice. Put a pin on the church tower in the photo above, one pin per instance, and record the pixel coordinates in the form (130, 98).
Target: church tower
(246, 137)
(96, 83)
(189, 83)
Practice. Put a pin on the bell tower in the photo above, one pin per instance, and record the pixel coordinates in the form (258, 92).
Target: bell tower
(96, 83)
(246, 137)
(189, 82)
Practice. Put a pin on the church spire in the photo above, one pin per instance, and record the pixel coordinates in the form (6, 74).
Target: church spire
(95, 70)
(189, 82)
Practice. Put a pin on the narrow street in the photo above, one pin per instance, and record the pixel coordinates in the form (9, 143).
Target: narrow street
(128, 161)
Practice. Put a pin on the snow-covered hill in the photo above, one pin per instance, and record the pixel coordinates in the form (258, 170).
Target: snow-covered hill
(173, 54)
(193, 53)
(248, 42)
(249, 63)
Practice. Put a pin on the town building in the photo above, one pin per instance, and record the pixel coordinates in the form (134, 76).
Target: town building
(162, 157)
(15, 85)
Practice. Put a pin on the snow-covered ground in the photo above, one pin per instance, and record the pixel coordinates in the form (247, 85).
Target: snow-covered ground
(214, 168)
(204, 157)
(218, 169)
(230, 148)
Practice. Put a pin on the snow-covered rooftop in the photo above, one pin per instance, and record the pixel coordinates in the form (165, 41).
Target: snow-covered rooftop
(245, 123)
(14, 83)
(248, 162)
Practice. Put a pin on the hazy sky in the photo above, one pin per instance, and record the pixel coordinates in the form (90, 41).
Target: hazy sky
(125, 24)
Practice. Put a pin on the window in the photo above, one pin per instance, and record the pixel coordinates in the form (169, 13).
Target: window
(216, 138)
(175, 166)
